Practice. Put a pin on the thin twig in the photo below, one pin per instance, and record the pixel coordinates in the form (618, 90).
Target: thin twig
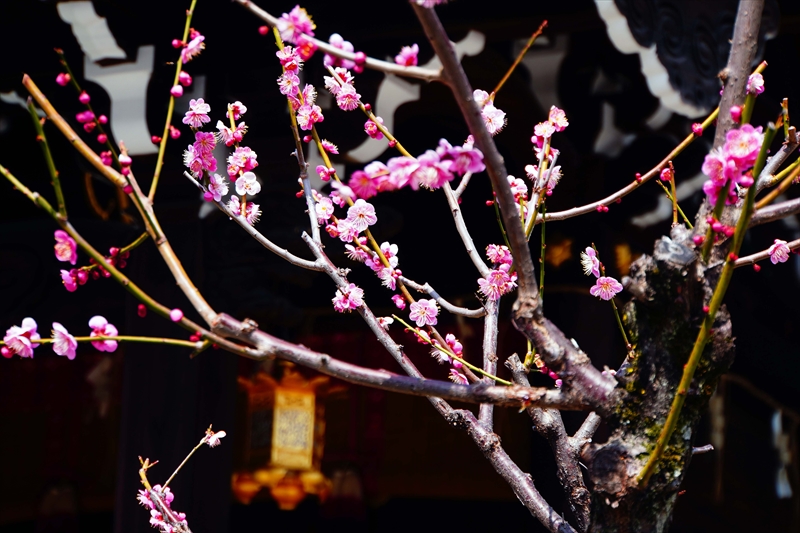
(486, 411)
(775, 212)
(760, 256)
(463, 232)
(454, 309)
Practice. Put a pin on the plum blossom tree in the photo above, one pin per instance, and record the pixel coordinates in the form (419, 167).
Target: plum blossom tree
(675, 326)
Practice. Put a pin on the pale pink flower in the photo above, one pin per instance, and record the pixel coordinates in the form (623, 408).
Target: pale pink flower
(346, 230)
(590, 262)
(347, 98)
(337, 41)
(371, 128)
(424, 312)
(197, 114)
(21, 340)
(66, 249)
(454, 344)
(431, 172)
(341, 193)
(544, 130)
(69, 280)
(388, 277)
(743, 144)
(193, 48)
(464, 158)
(390, 253)
(499, 254)
(494, 118)
(455, 375)
(779, 252)
(361, 215)
(755, 84)
(229, 136)
(252, 211)
(289, 83)
(294, 24)
(63, 342)
(481, 97)
(217, 186)
(606, 288)
(329, 147)
(248, 184)
(348, 299)
(399, 301)
(238, 109)
(213, 439)
(558, 118)
(400, 169)
(497, 283)
(356, 253)
(324, 209)
(407, 56)
(308, 115)
(385, 322)
(101, 328)
(518, 187)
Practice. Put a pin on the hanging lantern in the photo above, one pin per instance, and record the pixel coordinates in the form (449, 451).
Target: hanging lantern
(284, 438)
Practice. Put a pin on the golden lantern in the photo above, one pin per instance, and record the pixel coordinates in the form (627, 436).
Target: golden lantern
(284, 437)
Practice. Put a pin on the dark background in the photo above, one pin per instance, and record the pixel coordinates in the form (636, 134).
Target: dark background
(70, 442)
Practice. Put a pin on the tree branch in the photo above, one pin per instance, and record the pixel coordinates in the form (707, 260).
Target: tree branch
(775, 212)
(447, 306)
(375, 64)
(548, 423)
(486, 411)
(760, 256)
(463, 232)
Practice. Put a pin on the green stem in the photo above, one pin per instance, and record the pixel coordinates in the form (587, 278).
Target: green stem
(162, 146)
(619, 323)
(747, 109)
(703, 335)
(48, 157)
(127, 338)
(709, 240)
(683, 215)
(450, 354)
(135, 244)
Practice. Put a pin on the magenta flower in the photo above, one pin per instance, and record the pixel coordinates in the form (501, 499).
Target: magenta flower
(242, 159)
(590, 262)
(431, 172)
(309, 114)
(349, 299)
(456, 376)
(346, 231)
(372, 129)
(606, 287)
(66, 248)
(197, 114)
(294, 24)
(424, 312)
(204, 143)
(743, 144)
(361, 215)
(290, 59)
(558, 118)
(217, 186)
(779, 252)
(755, 84)
(407, 56)
(229, 136)
(193, 48)
(497, 283)
(464, 158)
(324, 209)
(347, 98)
(363, 186)
(238, 109)
(399, 301)
(248, 184)
(499, 254)
(454, 344)
(714, 164)
(21, 340)
(289, 83)
(69, 280)
(101, 328)
(329, 147)
(341, 193)
(337, 41)
(400, 169)
(63, 342)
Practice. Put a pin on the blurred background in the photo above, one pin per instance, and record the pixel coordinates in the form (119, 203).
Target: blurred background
(632, 76)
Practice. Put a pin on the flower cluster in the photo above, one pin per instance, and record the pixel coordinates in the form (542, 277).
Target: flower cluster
(494, 118)
(345, 92)
(348, 299)
(66, 250)
(21, 340)
(293, 25)
(87, 117)
(605, 287)
(442, 356)
(730, 165)
(498, 282)
(162, 516)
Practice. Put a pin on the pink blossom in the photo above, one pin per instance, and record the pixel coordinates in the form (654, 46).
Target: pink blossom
(779, 252)
(324, 209)
(290, 58)
(21, 340)
(248, 184)
(101, 328)
(238, 109)
(63, 79)
(454, 344)
(544, 130)
(372, 129)
(390, 253)
(714, 164)
(337, 41)
(399, 301)
(497, 283)
(713, 191)
(363, 186)
(329, 147)
(499, 254)
(464, 158)
(400, 169)
(347, 98)
(242, 159)
(193, 48)
(341, 194)
(289, 83)
(350, 298)
(455, 376)
(407, 56)
(481, 97)
(518, 187)
(385, 322)
(431, 172)
(361, 215)
(606, 287)
(388, 277)
(197, 114)
(176, 91)
(309, 114)
(294, 24)
(252, 211)
(590, 262)
(356, 253)
(494, 118)
(743, 144)
(755, 84)
(217, 186)
(424, 312)
(69, 280)
(229, 136)
(346, 231)
(184, 78)
(66, 249)
(204, 143)
(63, 342)
(558, 118)
(305, 47)
(213, 439)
